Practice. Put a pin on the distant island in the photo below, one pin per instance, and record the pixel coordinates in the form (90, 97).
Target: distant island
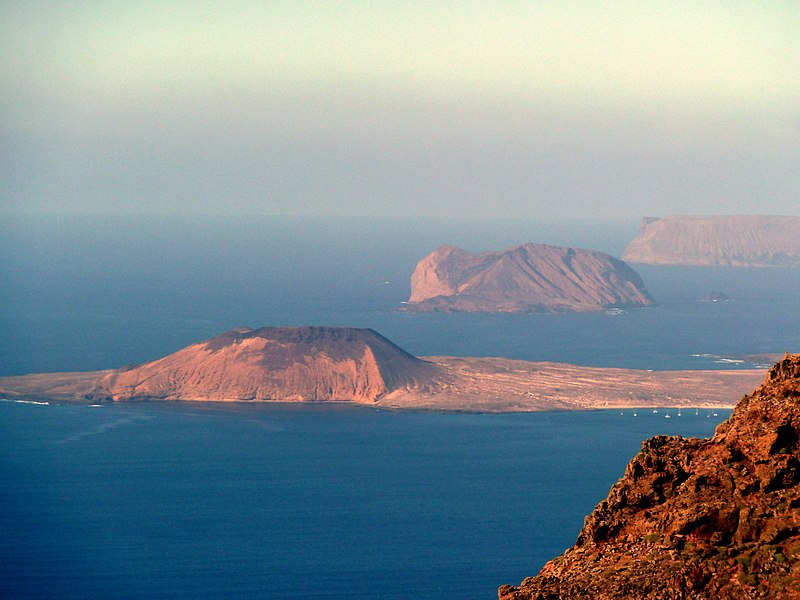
(731, 241)
(690, 518)
(529, 278)
(335, 364)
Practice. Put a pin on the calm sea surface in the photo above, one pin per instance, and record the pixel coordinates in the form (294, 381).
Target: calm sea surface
(179, 500)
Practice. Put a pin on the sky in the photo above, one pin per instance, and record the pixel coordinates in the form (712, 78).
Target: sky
(442, 109)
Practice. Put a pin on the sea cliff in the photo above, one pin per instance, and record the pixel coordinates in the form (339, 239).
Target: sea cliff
(733, 241)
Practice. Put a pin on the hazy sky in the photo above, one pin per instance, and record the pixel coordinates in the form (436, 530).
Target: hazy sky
(521, 109)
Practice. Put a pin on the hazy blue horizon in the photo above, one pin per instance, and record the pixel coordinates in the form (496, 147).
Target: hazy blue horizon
(86, 293)
(514, 109)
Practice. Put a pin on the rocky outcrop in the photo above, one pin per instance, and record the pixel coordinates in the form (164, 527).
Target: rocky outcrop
(528, 278)
(715, 297)
(736, 241)
(274, 363)
(694, 518)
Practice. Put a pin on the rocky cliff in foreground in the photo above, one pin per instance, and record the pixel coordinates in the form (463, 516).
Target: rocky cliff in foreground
(528, 278)
(736, 241)
(691, 518)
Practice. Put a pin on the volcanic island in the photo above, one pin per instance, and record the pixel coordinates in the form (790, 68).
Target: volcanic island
(531, 278)
(338, 364)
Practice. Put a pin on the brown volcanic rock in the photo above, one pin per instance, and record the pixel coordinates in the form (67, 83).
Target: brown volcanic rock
(274, 363)
(737, 241)
(693, 518)
(528, 278)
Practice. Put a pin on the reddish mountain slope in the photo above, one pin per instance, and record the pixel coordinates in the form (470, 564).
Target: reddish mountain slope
(691, 518)
(529, 278)
(275, 363)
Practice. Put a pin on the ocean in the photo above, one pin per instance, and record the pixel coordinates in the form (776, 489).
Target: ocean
(145, 500)
(284, 501)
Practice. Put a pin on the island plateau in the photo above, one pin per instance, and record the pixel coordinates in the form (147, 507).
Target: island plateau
(731, 241)
(528, 278)
(704, 519)
(330, 364)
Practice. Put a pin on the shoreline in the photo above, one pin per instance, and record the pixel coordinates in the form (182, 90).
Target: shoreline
(471, 385)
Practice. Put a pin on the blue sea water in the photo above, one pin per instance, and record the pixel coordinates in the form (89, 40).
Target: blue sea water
(180, 500)
(184, 501)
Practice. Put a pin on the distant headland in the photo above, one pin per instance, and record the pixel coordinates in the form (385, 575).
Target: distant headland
(731, 241)
(527, 278)
(336, 364)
